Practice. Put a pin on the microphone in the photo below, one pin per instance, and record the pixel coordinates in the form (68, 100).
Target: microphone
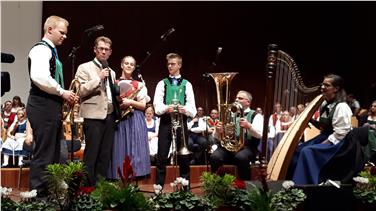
(219, 50)
(94, 29)
(104, 64)
(7, 58)
(168, 33)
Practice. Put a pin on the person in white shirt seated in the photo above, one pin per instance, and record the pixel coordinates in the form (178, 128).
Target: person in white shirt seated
(197, 142)
(152, 124)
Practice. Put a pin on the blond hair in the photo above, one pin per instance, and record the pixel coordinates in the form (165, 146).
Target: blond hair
(52, 22)
(103, 39)
(175, 56)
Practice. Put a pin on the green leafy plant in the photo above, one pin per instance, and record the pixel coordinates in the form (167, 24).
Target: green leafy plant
(365, 187)
(179, 199)
(113, 195)
(85, 202)
(222, 189)
(121, 195)
(64, 182)
(288, 198)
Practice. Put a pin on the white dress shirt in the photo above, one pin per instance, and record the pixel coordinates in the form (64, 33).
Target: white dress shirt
(160, 107)
(40, 56)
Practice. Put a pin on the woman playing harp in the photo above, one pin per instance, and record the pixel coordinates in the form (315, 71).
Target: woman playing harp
(334, 123)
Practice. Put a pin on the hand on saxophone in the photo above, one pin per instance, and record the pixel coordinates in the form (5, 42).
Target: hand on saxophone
(170, 109)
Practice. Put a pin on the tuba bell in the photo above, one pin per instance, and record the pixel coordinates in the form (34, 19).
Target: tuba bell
(71, 118)
(228, 113)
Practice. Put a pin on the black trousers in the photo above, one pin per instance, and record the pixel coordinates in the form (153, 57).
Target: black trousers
(197, 144)
(164, 143)
(99, 136)
(241, 159)
(44, 115)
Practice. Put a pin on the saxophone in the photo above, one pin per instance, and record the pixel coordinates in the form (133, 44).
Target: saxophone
(71, 118)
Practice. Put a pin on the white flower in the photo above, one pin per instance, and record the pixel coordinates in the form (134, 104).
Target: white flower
(157, 188)
(361, 180)
(63, 185)
(179, 179)
(173, 184)
(288, 184)
(185, 182)
(5, 191)
(28, 194)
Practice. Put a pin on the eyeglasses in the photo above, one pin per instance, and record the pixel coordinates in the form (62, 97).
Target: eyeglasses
(103, 49)
(326, 85)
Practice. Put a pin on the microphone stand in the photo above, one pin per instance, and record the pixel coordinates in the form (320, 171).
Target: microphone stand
(72, 57)
(157, 46)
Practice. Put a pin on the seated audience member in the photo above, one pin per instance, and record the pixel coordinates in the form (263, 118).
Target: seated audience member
(17, 104)
(7, 114)
(13, 145)
(353, 103)
(197, 142)
(212, 123)
(370, 149)
(152, 124)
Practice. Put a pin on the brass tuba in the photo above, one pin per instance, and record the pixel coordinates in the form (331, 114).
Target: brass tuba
(228, 112)
(71, 118)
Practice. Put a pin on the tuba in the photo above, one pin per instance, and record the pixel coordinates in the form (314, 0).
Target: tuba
(228, 112)
(71, 118)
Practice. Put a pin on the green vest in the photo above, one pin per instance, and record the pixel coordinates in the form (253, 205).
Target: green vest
(58, 71)
(172, 91)
(249, 118)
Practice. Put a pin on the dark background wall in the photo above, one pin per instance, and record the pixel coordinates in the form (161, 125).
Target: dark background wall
(322, 37)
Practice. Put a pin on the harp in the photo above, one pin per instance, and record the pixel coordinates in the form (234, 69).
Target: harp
(285, 84)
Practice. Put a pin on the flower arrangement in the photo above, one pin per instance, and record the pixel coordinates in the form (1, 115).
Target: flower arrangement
(365, 187)
(288, 198)
(121, 195)
(28, 201)
(179, 199)
(223, 190)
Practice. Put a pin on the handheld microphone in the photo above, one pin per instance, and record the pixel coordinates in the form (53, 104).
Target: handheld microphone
(104, 64)
(168, 33)
(94, 29)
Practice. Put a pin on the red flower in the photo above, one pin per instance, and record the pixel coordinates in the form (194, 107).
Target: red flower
(240, 184)
(127, 170)
(87, 190)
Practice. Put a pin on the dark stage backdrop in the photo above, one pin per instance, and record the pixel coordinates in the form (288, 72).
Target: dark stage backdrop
(322, 37)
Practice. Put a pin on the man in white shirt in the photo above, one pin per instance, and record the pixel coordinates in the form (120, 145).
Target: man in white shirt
(46, 97)
(252, 123)
(197, 142)
(173, 97)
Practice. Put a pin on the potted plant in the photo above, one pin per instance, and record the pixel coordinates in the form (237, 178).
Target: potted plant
(289, 198)
(179, 199)
(121, 195)
(224, 191)
(365, 189)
